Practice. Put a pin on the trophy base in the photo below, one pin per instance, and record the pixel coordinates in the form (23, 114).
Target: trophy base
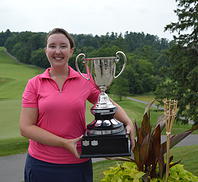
(105, 146)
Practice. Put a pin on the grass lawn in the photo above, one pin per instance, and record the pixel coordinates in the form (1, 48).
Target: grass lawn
(185, 154)
(13, 146)
(188, 156)
(9, 112)
(146, 97)
(14, 76)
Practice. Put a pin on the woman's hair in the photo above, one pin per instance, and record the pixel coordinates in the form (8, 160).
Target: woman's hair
(64, 32)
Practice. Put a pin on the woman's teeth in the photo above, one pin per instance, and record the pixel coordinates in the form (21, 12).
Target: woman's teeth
(58, 58)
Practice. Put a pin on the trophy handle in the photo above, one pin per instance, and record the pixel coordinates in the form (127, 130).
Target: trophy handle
(81, 56)
(124, 64)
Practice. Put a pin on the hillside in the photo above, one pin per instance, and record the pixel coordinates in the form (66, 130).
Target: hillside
(13, 76)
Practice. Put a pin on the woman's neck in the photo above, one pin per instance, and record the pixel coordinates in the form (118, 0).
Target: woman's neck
(59, 72)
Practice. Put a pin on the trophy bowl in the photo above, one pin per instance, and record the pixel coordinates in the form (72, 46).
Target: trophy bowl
(105, 136)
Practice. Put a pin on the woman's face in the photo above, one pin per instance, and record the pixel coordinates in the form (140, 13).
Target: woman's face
(58, 50)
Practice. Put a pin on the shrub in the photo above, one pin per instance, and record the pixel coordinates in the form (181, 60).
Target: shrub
(128, 172)
(149, 151)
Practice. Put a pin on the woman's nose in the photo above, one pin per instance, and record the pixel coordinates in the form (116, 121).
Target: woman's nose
(58, 50)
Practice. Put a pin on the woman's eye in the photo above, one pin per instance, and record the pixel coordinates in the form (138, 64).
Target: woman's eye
(63, 46)
(52, 46)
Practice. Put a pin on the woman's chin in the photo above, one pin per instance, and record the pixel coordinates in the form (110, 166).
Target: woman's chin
(59, 64)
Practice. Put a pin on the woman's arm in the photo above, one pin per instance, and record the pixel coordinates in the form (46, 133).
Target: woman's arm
(122, 116)
(28, 129)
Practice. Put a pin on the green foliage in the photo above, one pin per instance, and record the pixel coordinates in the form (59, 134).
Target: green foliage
(149, 151)
(178, 173)
(4, 36)
(128, 172)
(21, 45)
(140, 74)
(187, 20)
(39, 58)
(181, 83)
(120, 87)
(125, 172)
(186, 153)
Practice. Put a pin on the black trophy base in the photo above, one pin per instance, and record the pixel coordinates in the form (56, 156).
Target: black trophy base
(105, 146)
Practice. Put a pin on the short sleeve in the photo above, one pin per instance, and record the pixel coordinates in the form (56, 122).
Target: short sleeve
(29, 98)
(94, 92)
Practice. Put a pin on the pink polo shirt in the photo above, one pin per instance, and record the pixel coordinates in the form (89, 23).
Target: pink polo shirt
(61, 112)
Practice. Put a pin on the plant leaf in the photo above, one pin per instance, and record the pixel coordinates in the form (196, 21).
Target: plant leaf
(144, 149)
(157, 142)
(120, 159)
(136, 127)
(161, 121)
(174, 163)
(146, 178)
(175, 139)
(138, 133)
(136, 152)
(170, 159)
(147, 108)
(145, 126)
(162, 165)
(154, 150)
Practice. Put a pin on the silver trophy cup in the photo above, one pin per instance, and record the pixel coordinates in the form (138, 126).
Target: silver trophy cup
(105, 136)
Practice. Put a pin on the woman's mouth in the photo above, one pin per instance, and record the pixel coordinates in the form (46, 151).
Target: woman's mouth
(58, 58)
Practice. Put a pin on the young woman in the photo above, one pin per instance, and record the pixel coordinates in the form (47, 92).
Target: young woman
(53, 117)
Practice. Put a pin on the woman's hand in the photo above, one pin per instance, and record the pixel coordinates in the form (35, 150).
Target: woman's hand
(122, 116)
(71, 145)
(131, 131)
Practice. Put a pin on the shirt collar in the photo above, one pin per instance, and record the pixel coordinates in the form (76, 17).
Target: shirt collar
(72, 73)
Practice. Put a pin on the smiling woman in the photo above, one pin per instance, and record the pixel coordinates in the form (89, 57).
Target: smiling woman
(53, 117)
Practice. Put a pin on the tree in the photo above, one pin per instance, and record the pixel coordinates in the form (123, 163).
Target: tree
(39, 58)
(182, 73)
(182, 82)
(4, 36)
(187, 13)
(120, 87)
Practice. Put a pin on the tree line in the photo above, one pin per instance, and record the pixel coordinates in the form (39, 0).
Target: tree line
(143, 53)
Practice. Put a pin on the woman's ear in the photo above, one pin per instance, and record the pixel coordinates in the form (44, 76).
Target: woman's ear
(71, 52)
